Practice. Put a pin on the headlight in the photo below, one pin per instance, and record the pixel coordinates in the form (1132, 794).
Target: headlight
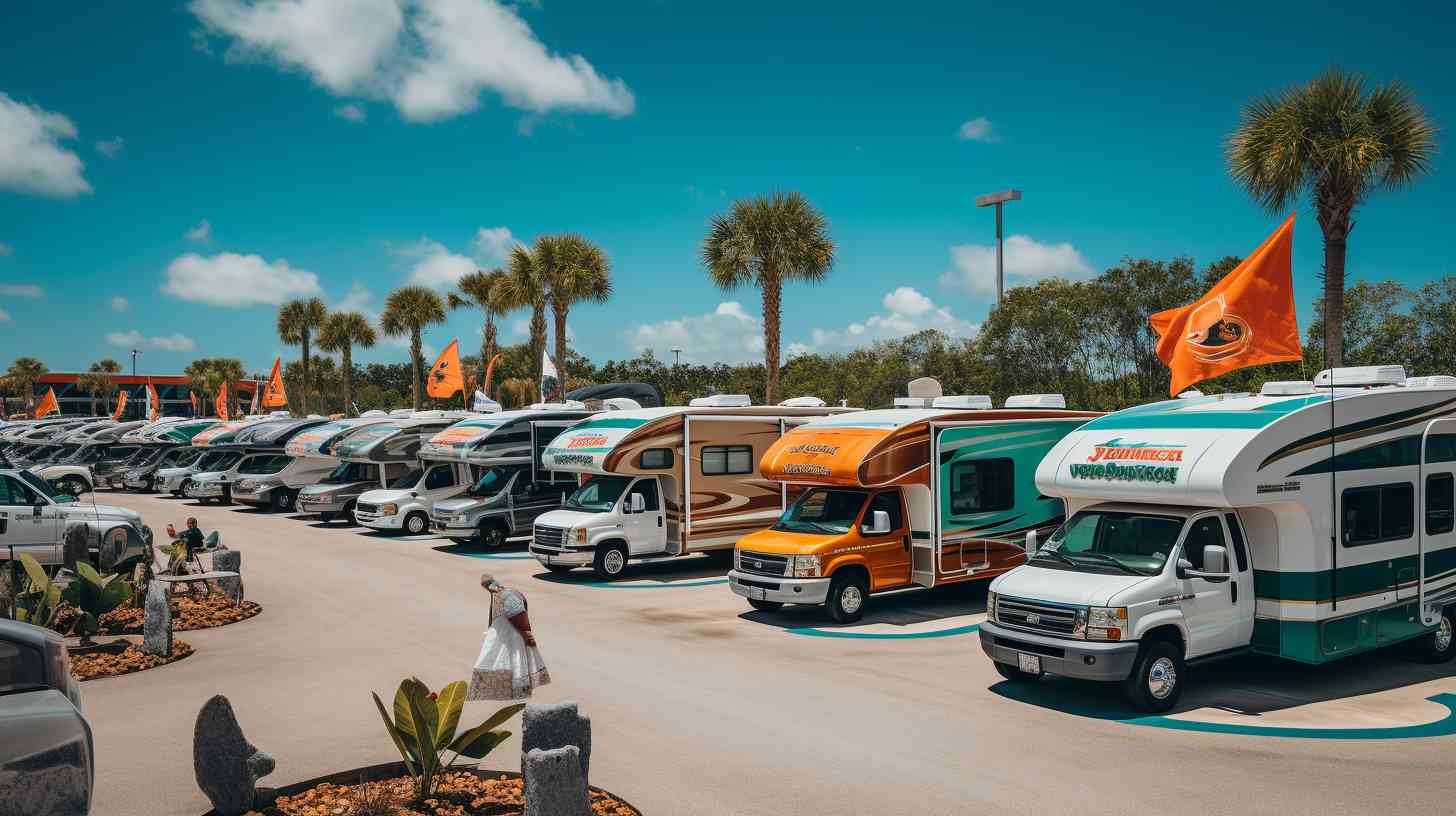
(247, 486)
(991, 606)
(804, 566)
(1106, 623)
(388, 509)
(458, 518)
(577, 535)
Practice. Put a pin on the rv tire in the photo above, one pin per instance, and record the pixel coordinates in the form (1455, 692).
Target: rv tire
(1440, 645)
(415, 523)
(492, 535)
(611, 560)
(283, 499)
(1157, 678)
(1014, 673)
(848, 592)
(765, 606)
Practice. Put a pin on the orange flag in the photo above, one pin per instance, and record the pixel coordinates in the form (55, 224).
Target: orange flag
(445, 375)
(154, 402)
(273, 394)
(1245, 319)
(222, 404)
(490, 370)
(47, 405)
(120, 405)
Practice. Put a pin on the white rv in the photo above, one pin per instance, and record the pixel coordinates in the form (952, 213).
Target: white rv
(265, 475)
(332, 495)
(410, 488)
(99, 452)
(1312, 521)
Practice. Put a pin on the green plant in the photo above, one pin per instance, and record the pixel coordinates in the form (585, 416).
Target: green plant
(94, 595)
(424, 727)
(40, 602)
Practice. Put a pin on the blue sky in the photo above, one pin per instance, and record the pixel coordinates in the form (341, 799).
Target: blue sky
(345, 148)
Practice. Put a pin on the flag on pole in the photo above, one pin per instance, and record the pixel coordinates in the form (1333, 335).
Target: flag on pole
(192, 395)
(120, 406)
(222, 404)
(445, 375)
(273, 394)
(490, 370)
(1245, 319)
(549, 377)
(154, 402)
(47, 405)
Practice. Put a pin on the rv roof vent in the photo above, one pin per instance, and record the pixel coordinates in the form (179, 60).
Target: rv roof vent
(1286, 388)
(1361, 375)
(1435, 381)
(924, 387)
(974, 402)
(914, 402)
(802, 402)
(370, 414)
(401, 412)
(485, 405)
(1036, 401)
(426, 415)
(722, 401)
(1192, 393)
(621, 404)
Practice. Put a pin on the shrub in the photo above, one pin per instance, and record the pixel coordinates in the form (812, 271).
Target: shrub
(424, 727)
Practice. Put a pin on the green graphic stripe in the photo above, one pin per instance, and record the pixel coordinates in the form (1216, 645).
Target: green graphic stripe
(1177, 415)
(619, 422)
(1359, 579)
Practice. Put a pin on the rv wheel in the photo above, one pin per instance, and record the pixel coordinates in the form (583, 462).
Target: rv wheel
(282, 500)
(492, 536)
(416, 523)
(610, 561)
(149, 484)
(1440, 645)
(1157, 678)
(848, 593)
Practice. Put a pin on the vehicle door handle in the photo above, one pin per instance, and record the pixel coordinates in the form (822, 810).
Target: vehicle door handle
(1233, 591)
(659, 521)
(906, 540)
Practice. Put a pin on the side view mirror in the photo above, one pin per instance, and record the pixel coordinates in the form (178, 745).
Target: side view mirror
(879, 523)
(1032, 544)
(1215, 565)
(638, 503)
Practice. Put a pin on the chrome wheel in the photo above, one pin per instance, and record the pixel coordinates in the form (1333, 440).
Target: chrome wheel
(614, 562)
(414, 524)
(1442, 640)
(1162, 678)
(851, 599)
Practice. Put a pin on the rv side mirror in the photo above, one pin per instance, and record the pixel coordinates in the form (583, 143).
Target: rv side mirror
(879, 523)
(1183, 567)
(1031, 543)
(1215, 560)
(638, 503)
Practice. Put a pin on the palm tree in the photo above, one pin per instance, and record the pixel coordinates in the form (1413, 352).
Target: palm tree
(517, 392)
(297, 322)
(1341, 143)
(22, 376)
(765, 241)
(407, 311)
(576, 270)
(525, 286)
(479, 289)
(343, 331)
(103, 375)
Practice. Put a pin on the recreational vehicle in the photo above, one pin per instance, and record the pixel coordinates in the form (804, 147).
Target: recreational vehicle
(216, 456)
(507, 491)
(261, 476)
(95, 459)
(166, 443)
(639, 469)
(1312, 521)
(332, 494)
(400, 490)
(900, 498)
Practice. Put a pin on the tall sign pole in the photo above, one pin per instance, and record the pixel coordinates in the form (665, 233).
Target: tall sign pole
(996, 200)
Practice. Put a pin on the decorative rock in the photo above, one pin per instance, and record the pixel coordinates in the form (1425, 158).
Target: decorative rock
(554, 784)
(225, 560)
(157, 621)
(227, 766)
(556, 726)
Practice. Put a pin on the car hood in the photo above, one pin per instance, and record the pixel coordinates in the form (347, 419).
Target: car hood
(459, 503)
(1034, 583)
(573, 518)
(385, 496)
(328, 489)
(779, 542)
(54, 471)
(88, 511)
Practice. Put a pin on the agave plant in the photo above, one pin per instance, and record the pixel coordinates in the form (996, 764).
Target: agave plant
(39, 602)
(94, 595)
(424, 727)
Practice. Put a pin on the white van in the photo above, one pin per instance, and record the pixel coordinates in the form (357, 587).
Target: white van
(1310, 522)
(405, 503)
(266, 475)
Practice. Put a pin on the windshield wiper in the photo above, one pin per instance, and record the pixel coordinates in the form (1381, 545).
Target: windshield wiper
(1054, 554)
(1104, 557)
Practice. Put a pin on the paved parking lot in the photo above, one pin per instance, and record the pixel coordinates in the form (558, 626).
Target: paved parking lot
(700, 706)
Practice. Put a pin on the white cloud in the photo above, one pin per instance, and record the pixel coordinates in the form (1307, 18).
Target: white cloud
(119, 303)
(136, 340)
(728, 333)
(978, 130)
(1026, 260)
(32, 159)
(351, 112)
(6, 249)
(357, 299)
(906, 311)
(431, 58)
(110, 147)
(201, 233)
(25, 290)
(4, 316)
(229, 279)
(492, 245)
(427, 350)
(435, 266)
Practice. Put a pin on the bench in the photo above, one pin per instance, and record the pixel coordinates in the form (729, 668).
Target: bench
(196, 578)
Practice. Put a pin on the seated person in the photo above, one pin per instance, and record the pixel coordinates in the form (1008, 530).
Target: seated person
(192, 544)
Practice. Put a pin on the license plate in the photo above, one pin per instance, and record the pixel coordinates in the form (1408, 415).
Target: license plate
(757, 593)
(1031, 664)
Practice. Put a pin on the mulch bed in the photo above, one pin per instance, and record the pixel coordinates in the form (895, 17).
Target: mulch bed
(188, 613)
(458, 794)
(119, 657)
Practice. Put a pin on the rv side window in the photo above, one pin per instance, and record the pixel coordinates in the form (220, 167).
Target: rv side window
(657, 459)
(1375, 514)
(1440, 502)
(648, 489)
(1205, 532)
(1441, 448)
(440, 477)
(982, 485)
(720, 460)
(1241, 556)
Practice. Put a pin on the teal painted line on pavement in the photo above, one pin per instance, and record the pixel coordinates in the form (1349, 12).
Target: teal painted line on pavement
(678, 585)
(499, 556)
(810, 631)
(1444, 727)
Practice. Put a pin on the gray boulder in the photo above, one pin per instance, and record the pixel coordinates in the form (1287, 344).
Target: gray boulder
(227, 766)
(556, 726)
(157, 621)
(554, 784)
(225, 560)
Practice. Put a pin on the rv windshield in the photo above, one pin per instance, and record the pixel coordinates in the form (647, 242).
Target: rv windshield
(408, 480)
(180, 457)
(491, 482)
(223, 461)
(259, 465)
(348, 473)
(598, 495)
(1111, 541)
(823, 510)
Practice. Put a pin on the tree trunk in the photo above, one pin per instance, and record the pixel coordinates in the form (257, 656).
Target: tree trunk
(772, 306)
(348, 378)
(559, 313)
(416, 363)
(303, 400)
(1335, 209)
(538, 338)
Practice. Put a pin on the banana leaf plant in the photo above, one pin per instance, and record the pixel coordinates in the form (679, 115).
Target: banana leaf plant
(424, 726)
(94, 595)
(39, 602)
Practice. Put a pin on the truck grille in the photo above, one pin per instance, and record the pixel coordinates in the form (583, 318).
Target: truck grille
(1036, 617)
(554, 537)
(762, 563)
(366, 509)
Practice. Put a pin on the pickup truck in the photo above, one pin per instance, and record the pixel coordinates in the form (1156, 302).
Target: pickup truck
(47, 755)
(35, 518)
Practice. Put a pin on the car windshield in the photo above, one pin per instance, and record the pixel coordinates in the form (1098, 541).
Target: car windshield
(42, 486)
(408, 480)
(490, 483)
(120, 453)
(823, 510)
(224, 460)
(598, 495)
(146, 456)
(1111, 541)
(82, 455)
(257, 465)
(348, 472)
